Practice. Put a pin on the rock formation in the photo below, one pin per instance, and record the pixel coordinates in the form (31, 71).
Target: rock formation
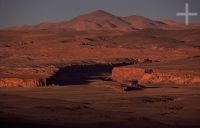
(22, 82)
(68, 74)
(156, 77)
(162, 74)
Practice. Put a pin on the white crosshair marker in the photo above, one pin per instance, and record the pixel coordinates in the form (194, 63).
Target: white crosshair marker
(187, 14)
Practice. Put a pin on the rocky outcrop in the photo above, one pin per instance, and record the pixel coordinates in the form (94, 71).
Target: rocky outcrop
(155, 76)
(22, 82)
(25, 77)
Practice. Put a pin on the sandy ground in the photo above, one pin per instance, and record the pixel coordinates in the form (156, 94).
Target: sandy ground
(97, 104)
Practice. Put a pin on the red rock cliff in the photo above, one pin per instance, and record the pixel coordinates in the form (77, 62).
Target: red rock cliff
(155, 76)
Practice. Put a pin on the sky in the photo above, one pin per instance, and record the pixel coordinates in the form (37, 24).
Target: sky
(21, 12)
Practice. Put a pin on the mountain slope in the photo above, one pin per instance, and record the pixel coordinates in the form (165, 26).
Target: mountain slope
(141, 22)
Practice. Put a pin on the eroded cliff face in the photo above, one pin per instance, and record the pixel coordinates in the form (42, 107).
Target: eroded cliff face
(155, 76)
(25, 77)
(22, 82)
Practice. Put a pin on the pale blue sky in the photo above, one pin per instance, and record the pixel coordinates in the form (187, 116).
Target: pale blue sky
(19, 12)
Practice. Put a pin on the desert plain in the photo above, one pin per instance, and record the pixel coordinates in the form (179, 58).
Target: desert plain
(73, 73)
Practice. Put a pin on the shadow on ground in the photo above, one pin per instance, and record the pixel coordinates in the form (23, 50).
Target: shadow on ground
(78, 74)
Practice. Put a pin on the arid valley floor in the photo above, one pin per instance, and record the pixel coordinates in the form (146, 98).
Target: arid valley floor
(72, 74)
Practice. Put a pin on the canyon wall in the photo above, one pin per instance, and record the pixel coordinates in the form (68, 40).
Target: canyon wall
(22, 82)
(155, 76)
(67, 74)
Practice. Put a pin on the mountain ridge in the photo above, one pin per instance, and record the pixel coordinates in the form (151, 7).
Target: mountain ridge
(102, 20)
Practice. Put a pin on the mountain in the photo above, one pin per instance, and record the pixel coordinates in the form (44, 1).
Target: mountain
(102, 20)
(98, 20)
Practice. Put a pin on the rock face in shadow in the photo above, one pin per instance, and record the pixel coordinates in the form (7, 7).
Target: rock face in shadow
(83, 73)
(78, 74)
(155, 76)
